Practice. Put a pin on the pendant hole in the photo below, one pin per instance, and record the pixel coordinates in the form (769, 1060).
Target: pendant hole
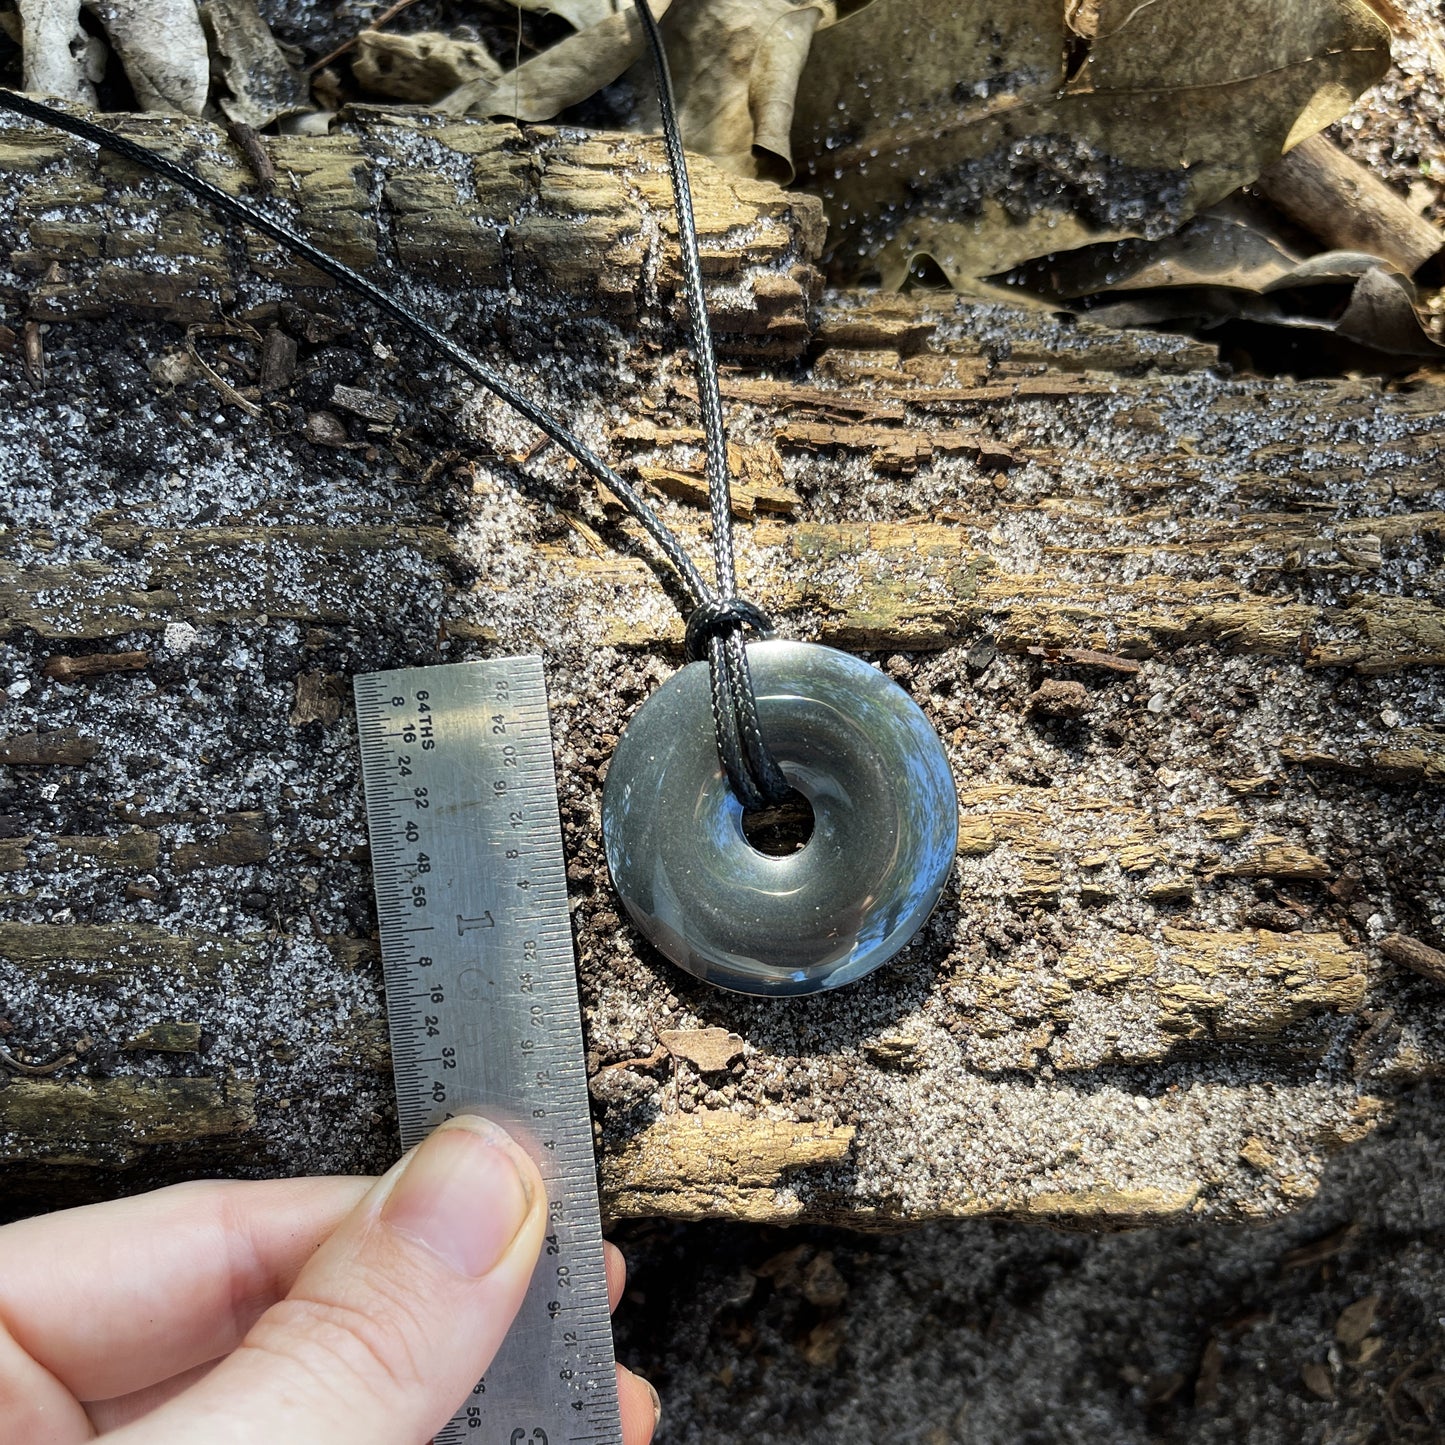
(780, 831)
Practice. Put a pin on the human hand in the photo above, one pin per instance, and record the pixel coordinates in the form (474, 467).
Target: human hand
(330, 1311)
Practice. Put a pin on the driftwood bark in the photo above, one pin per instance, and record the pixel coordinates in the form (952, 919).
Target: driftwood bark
(1177, 629)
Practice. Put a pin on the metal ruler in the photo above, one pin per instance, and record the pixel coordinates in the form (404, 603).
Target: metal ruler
(481, 993)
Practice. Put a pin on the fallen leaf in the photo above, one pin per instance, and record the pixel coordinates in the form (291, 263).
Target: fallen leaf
(563, 75)
(736, 65)
(1318, 1380)
(1357, 1320)
(422, 67)
(735, 68)
(708, 1049)
(163, 48)
(1229, 245)
(579, 14)
(980, 136)
(60, 59)
(262, 84)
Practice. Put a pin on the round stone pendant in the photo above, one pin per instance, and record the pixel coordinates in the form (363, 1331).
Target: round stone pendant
(885, 826)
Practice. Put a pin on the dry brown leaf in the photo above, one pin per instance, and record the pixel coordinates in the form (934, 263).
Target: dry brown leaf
(1228, 246)
(60, 59)
(567, 73)
(160, 43)
(708, 1049)
(1341, 293)
(736, 66)
(163, 48)
(262, 84)
(982, 136)
(423, 67)
(579, 14)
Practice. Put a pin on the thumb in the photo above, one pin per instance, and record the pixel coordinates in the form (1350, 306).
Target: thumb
(393, 1319)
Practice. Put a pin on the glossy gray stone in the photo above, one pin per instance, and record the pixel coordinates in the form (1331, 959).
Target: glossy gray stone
(885, 826)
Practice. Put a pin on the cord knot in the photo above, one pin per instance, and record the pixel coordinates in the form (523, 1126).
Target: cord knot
(718, 616)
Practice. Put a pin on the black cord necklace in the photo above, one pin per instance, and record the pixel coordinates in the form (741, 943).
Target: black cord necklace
(752, 726)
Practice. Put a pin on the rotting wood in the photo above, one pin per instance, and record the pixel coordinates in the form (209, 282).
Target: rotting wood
(541, 211)
(1347, 206)
(113, 1122)
(1420, 957)
(746, 1163)
(1092, 1029)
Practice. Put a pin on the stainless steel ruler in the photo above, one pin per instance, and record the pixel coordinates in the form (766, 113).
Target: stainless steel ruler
(481, 993)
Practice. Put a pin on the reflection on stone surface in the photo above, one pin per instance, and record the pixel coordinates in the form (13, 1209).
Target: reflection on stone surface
(885, 823)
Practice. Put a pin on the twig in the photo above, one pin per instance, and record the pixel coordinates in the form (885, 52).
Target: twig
(249, 143)
(386, 15)
(68, 669)
(1347, 206)
(34, 1071)
(223, 386)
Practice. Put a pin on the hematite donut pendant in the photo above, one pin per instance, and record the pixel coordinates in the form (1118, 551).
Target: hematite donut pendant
(885, 826)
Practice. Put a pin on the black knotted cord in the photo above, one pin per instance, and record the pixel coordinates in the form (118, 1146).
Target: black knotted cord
(714, 620)
(752, 770)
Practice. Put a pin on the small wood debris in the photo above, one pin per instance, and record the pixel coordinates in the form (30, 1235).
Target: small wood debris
(1347, 884)
(167, 1038)
(278, 360)
(60, 748)
(34, 353)
(899, 1051)
(1254, 1153)
(1274, 917)
(1170, 890)
(1317, 1251)
(369, 404)
(1412, 954)
(1357, 1320)
(709, 1050)
(246, 840)
(318, 699)
(1275, 859)
(96, 664)
(1211, 1367)
(1318, 1380)
(1085, 657)
(1259, 785)
(314, 328)
(1056, 697)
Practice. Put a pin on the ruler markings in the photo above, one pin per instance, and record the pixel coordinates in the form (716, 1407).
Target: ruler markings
(462, 814)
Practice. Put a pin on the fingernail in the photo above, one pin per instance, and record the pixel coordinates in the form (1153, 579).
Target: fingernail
(656, 1404)
(462, 1196)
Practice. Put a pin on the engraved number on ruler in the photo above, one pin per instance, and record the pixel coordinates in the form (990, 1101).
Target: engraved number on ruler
(481, 989)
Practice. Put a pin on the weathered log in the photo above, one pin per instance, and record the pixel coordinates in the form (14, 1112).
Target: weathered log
(1154, 989)
(537, 213)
